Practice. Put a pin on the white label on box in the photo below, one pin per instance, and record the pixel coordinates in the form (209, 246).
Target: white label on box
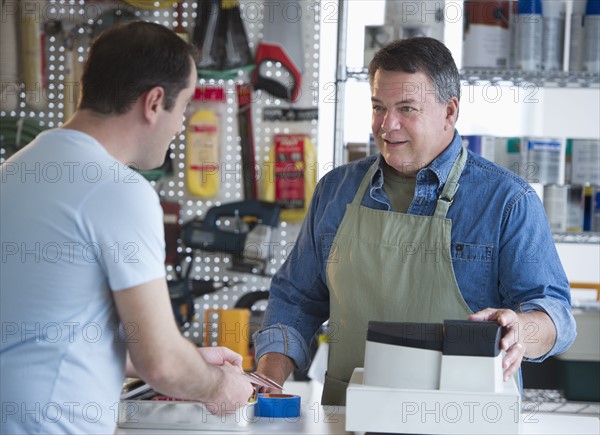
(585, 161)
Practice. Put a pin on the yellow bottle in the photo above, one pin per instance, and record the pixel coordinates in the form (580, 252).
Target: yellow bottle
(202, 154)
(203, 137)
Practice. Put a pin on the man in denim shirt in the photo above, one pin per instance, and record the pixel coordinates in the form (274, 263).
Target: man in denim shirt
(423, 232)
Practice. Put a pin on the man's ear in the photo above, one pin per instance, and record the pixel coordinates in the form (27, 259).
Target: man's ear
(451, 112)
(152, 102)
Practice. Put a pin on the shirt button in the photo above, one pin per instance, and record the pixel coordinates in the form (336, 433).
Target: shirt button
(459, 247)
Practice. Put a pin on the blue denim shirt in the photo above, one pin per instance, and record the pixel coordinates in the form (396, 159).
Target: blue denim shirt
(502, 249)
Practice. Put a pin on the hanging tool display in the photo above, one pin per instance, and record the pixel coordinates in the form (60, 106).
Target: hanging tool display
(184, 288)
(69, 36)
(244, 117)
(221, 38)
(282, 43)
(247, 238)
(110, 17)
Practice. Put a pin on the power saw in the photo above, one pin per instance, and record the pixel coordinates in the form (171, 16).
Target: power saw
(242, 229)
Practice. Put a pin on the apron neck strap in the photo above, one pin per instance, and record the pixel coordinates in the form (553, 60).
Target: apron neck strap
(448, 192)
(364, 184)
(445, 200)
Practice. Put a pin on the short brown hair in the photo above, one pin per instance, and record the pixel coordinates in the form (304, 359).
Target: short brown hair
(128, 60)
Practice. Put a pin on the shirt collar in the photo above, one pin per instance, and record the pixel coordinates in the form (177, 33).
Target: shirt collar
(440, 166)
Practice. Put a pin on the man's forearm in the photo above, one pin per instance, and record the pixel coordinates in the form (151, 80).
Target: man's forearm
(165, 373)
(538, 333)
(276, 366)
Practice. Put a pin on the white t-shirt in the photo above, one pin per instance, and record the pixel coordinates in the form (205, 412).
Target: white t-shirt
(75, 225)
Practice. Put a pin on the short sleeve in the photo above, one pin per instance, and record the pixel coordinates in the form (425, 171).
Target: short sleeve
(123, 222)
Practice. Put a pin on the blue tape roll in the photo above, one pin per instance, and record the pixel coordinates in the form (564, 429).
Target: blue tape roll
(277, 406)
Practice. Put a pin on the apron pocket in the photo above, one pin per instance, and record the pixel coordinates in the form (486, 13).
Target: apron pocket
(334, 391)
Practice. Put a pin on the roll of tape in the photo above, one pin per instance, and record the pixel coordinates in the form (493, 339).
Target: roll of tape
(277, 405)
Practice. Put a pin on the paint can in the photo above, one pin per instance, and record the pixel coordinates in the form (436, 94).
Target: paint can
(487, 36)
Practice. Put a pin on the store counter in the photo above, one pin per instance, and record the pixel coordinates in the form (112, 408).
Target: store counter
(329, 420)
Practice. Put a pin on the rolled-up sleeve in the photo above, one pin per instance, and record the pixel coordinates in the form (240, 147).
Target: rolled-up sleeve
(531, 275)
(563, 320)
(282, 339)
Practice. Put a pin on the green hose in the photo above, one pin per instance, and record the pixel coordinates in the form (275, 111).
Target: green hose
(13, 136)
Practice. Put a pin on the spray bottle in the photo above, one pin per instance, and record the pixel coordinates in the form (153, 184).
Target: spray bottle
(596, 213)
(576, 45)
(591, 24)
(529, 35)
(553, 34)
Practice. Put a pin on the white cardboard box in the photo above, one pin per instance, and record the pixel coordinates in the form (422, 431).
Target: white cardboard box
(393, 410)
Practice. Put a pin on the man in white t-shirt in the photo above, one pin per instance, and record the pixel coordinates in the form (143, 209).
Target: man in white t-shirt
(82, 279)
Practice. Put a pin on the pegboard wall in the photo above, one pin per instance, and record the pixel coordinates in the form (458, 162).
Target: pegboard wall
(44, 45)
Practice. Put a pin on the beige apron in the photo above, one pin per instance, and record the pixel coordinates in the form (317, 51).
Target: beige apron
(388, 267)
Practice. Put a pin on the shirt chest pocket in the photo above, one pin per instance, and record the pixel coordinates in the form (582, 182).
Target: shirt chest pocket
(470, 252)
(472, 265)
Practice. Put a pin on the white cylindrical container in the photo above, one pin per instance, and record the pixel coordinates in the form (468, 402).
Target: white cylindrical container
(591, 25)
(576, 45)
(553, 18)
(529, 35)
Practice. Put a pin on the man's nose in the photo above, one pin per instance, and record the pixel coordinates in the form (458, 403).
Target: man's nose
(391, 121)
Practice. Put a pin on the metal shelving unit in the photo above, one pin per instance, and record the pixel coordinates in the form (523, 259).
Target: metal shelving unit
(560, 79)
(590, 238)
(508, 78)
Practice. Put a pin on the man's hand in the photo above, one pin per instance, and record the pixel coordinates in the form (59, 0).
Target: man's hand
(217, 356)
(530, 334)
(233, 391)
